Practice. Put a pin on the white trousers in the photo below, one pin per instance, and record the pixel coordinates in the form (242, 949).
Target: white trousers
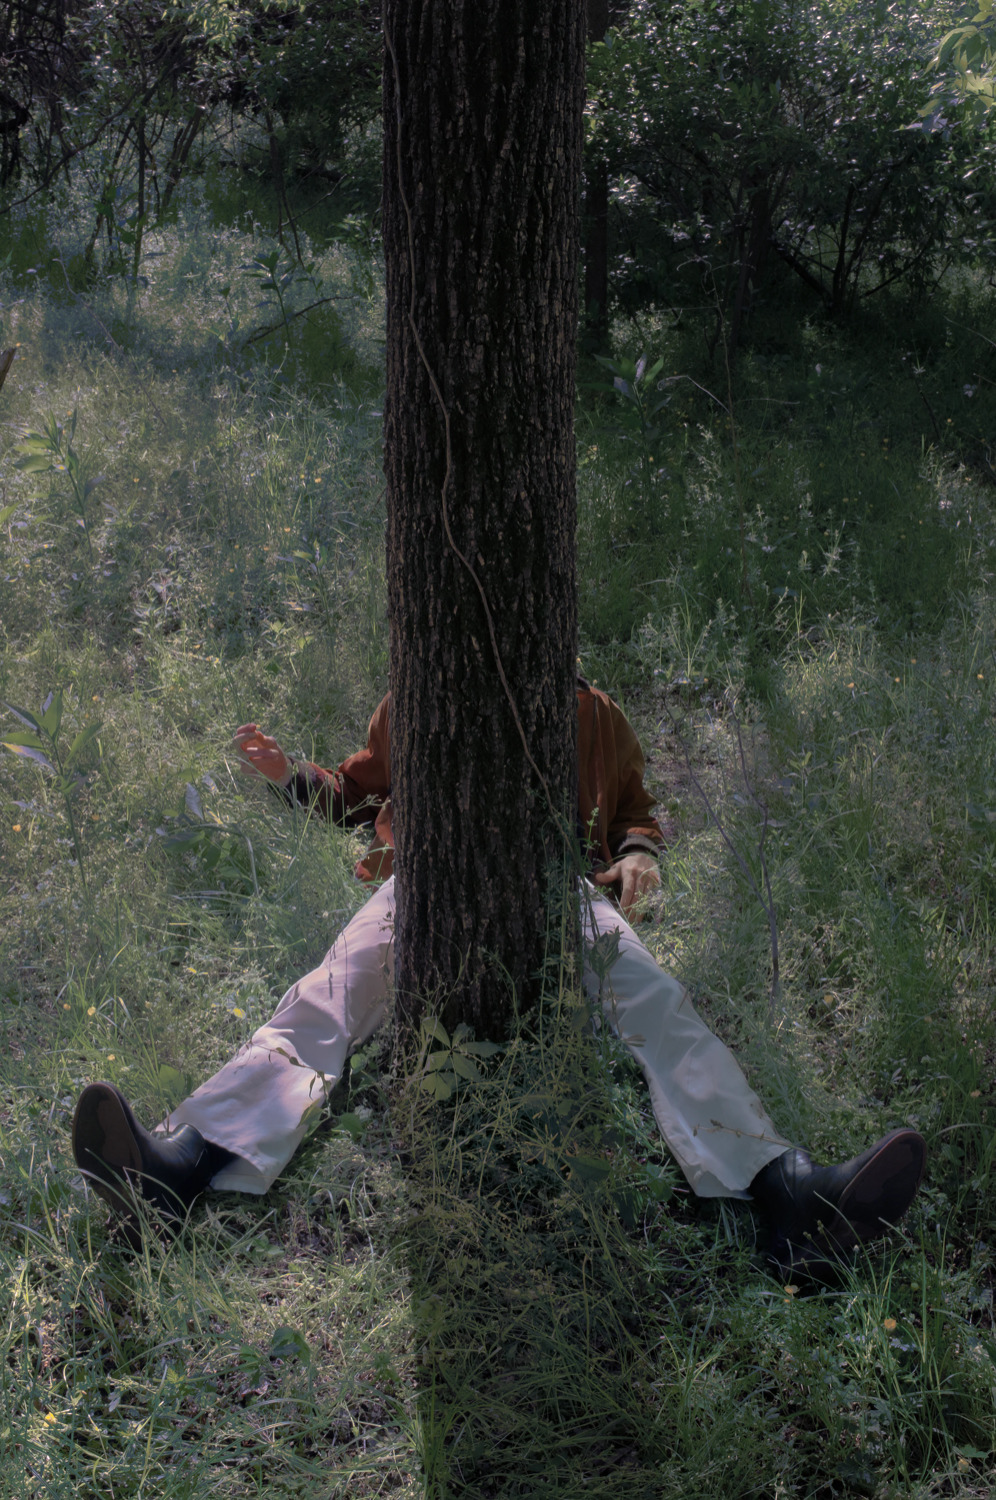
(260, 1104)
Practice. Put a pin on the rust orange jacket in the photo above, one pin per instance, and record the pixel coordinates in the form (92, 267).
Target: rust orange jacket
(614, 807)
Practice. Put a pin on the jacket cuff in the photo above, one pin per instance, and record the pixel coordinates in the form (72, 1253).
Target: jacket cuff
(300, 788)
(638, 843)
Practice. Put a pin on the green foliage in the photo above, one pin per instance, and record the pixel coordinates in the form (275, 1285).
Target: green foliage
(279, 274)
(311, 73)
(750, 138)
(636, 386)
(40, 742)
(506, 1291)
(836, 470)
(133, 97)
(455, 1061)
(51, 451)
(962, 72)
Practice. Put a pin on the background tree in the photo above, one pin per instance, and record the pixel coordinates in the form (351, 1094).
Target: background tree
(601, 14)
(743, 139)
(962, 71)
(483, 116)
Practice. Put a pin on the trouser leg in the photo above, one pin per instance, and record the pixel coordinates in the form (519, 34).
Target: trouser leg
(713, 1122)
(259, 1105)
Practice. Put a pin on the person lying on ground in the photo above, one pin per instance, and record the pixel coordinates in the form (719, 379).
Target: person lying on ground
(239, 1129)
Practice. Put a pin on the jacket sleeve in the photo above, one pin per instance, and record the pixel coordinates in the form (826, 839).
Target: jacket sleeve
(632, 827)
(354, 793)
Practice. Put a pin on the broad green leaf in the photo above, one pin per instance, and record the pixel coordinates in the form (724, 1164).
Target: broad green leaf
(436, 1085)
(433, 1030)
(26, 738)
(30, 754)
(171, 1081)
(24, 716)
(464, 1068)
(590, 1168)
(180, 841)
(81, 741)
(659, 1183)
(34, 463)
(311, 1118)
(353, 1124)
(289, 1343)
(212, 855)
(52, 714)
(482, 1049)
(7, 512)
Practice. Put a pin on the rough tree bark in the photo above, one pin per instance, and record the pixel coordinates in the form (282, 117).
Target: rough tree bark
(483, 106)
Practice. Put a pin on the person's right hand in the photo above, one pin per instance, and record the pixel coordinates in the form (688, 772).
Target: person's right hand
(260, 755)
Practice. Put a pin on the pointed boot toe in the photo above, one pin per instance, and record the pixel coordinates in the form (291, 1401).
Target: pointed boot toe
(817, 1214)
(129, 1165)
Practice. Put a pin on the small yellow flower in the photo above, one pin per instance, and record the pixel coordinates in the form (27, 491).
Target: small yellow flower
(979, 676)
(92, 1011)
(17, 828)
(975, 1094)
(65, 1005)
(895, 679)
(889, 1325)
(850, 684)
(50, 1416)
(790, 1291)
(111, 1057)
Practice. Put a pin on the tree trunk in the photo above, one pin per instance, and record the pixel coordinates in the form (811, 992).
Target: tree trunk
(596, 216)
(483, 107)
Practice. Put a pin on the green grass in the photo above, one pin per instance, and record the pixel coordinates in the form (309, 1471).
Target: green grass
(511, 1294)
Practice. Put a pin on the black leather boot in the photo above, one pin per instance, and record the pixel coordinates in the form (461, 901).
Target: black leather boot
(123, 1162)
(817, 1214)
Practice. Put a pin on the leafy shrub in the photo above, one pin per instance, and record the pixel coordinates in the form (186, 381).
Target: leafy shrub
(744, 136)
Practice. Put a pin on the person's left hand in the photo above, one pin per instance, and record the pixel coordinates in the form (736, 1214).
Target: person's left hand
(636, 874)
